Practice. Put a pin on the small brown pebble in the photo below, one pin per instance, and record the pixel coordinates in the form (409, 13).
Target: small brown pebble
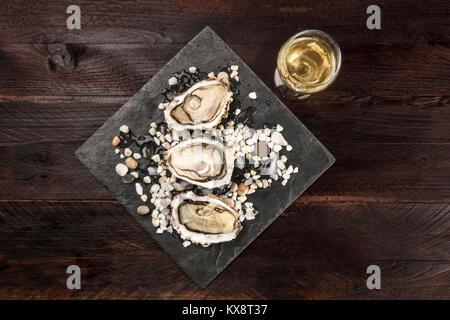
(131, 163)
(115, 141)
(143, 210)
(229, 202)
(242, 189)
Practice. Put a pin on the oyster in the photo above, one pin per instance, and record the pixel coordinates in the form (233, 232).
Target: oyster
(202, 106)
(204, 219)
(201, 161)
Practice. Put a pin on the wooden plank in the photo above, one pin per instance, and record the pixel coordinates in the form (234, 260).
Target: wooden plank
(333, 119)
(397, 172)
(316, 251)
(178, 21)
(112, 69)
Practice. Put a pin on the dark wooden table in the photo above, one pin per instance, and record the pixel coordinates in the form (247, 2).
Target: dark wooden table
(386, 120)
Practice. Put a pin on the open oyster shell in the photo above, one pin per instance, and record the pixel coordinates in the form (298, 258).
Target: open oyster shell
(202, 106)
(201, 161)
(204, 219)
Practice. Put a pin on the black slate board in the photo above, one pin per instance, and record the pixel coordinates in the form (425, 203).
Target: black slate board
(209, 53)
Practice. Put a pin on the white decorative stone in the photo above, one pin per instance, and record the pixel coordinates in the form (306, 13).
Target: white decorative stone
(156, 158)
(147, 179)
(139, 189)
(252, 95)
(278, 138)
(134, 174)
(173, 81)
(280, 165)
(124, 129)
(277, 148)
(186, 243)
(137, 156)
(121, 169)
(127, 152)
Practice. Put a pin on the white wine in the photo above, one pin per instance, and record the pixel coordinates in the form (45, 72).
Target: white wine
(307, 64)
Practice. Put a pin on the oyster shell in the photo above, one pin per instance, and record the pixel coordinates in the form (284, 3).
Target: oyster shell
(201, 161)
(202, 106)
(204, 219)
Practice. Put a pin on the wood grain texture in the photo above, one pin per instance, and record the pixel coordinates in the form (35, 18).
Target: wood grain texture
(122, 69)
(311, 251)
(386, 120)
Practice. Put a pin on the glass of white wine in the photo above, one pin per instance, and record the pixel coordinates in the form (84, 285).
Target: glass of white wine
(307, 63)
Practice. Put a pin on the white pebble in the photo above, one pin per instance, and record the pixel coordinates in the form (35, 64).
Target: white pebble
(252, 95)
(137, 156)
(277, 148)
(162, 106)
(211, 75)
(121, 169)
(156, 158)
(152, 131)
(192, 69)
(284, 182)
(139, 189)
(127, 152)
(295, 170)
(279, 128)
(234, 67)
(117, 150)
(278, 138)
(124, 129)
(144, 198)
(186, 243)
(289, 170)
(288, 147)
(147, 179)
(172, 81)
(155, 188)
(135, 174)
(122, 156)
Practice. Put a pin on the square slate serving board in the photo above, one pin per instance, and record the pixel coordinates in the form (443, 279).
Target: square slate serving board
(209, 53)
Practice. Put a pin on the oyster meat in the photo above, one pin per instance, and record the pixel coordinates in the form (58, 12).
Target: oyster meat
(201, 161)
(202, 106)
(204, 219)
